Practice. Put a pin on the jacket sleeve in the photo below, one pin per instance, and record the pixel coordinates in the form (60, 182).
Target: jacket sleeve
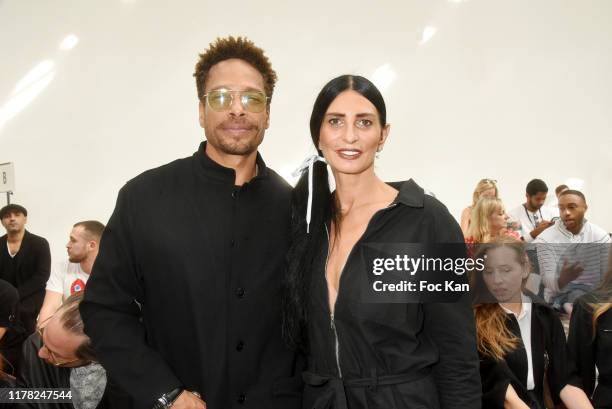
(31, 290)
(581, 349)
(451, 327)
(111, 313)
(557, 370)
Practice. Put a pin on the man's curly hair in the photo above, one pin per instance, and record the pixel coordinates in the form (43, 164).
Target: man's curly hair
(234, 47)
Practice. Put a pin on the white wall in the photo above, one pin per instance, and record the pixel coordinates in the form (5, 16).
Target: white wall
(508, 90)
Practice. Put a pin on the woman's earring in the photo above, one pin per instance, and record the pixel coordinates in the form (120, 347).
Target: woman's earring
(378, 152)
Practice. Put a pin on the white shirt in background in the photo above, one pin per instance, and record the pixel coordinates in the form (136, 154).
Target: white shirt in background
(529, 220)
(556, 244)
(67, 278)
(524, 321)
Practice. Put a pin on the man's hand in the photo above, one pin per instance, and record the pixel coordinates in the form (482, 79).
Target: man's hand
(544, 224)
(569, 272)
(188, 400)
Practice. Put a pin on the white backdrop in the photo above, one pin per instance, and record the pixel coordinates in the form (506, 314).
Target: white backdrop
(93, 92)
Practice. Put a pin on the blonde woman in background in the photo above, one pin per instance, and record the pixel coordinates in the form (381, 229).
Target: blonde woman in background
(484, 188)
(488, 222)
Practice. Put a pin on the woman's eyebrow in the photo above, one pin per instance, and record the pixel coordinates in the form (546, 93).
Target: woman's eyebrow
(360, 115)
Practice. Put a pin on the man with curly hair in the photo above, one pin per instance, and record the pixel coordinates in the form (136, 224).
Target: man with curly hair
(183, 305)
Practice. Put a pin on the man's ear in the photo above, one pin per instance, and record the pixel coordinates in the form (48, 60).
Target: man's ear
(202, 113)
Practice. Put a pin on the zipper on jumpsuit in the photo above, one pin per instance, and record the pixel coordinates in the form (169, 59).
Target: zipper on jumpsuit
(332, 321)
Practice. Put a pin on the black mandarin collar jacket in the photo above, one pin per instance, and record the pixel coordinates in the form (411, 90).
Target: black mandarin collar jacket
(185, 290)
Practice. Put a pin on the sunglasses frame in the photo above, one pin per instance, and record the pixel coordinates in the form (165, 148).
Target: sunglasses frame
(231, 99)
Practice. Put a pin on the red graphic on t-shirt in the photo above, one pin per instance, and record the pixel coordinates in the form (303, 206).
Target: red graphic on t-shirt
(77, 285)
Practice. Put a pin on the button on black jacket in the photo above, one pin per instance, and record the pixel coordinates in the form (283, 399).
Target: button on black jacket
(392, 355)
(185, 291)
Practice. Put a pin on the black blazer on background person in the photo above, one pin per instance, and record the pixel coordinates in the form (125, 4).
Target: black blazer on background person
(33, 269)
(32, 266)
(9, 320)
(589, 350)
(185, 291)
(549, 356)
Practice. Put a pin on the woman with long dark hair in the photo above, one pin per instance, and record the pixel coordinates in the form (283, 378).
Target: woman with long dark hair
(363, 354)
(590, 342)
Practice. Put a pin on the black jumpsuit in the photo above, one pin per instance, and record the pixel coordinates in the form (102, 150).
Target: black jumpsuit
(394, 354)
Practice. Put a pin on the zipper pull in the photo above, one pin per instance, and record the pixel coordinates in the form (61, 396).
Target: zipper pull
(333, 325)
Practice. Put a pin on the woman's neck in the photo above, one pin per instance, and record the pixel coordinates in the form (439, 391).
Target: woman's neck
(355, 190)
(493, 234)
(516, 305)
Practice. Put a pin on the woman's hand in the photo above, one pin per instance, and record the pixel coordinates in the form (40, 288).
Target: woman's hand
(513, 401)
(575, 398)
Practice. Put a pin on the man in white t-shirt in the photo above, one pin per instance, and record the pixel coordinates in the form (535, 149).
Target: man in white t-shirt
(573, 253)
(532, 215)
(70, 276)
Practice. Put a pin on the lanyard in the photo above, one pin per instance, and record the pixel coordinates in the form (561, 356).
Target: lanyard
(533, 222)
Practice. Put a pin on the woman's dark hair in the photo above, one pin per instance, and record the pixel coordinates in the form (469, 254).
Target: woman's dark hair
(306, 247)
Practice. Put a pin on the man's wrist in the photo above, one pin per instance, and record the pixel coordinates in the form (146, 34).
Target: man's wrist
(167, 399)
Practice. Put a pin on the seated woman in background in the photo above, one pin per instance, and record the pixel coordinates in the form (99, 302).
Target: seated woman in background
(590, 342)
(520, 338)
(484, 188)
(489, 221)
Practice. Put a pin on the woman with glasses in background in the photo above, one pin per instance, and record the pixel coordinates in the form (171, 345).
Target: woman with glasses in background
(362, 354)
(484, 188)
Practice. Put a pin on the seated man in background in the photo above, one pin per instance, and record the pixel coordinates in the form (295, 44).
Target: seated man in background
(60, 355)
(532, 215)
(573, 253)
(25, 262)
(70, 276)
